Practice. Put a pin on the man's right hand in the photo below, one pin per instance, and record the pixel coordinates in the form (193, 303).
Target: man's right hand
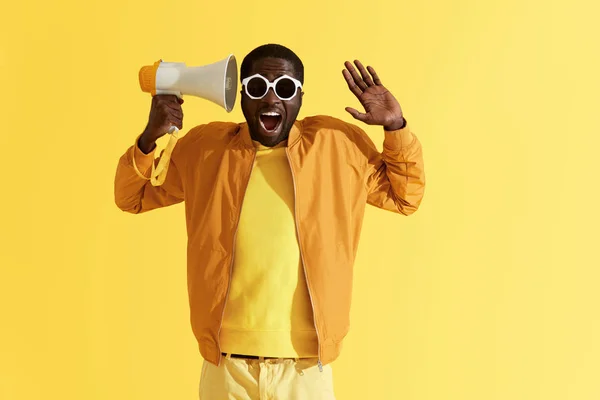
(165, 112)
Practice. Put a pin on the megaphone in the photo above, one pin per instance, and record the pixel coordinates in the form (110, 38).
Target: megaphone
(215, 82)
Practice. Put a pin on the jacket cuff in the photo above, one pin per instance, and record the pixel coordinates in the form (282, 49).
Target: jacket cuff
(142, 161)
(398, 139)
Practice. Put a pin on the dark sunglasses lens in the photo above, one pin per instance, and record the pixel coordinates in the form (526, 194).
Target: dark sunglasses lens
(285, 88)
(257, 87)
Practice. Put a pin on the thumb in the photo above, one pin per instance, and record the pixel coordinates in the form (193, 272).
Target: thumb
(180, 100)
(357, 115)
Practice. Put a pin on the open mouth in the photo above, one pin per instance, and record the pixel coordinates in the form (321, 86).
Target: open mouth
(270, 121)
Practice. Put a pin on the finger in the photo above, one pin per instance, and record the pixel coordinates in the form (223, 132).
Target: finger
(167, 98)
(170, 99)
(358, 115)
(363, 72)
(172, 105)
(357, 79)
(375, 76)
(175, 100)
(351, 85)
(175, 113)
(176, 122)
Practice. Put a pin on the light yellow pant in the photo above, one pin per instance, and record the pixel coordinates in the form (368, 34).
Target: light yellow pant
(280, 379)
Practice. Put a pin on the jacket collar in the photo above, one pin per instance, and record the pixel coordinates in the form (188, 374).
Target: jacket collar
(246, 139)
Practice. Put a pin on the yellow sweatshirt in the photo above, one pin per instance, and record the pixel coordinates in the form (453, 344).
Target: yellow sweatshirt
(268, 311)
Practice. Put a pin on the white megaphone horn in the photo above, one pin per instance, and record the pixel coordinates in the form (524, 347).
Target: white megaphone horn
(215, 82)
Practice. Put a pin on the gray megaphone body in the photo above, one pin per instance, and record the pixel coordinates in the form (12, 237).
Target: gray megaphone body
(215, 82)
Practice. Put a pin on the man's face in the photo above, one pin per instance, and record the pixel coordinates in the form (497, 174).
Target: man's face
(270, 130)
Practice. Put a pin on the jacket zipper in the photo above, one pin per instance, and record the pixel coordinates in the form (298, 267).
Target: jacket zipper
(303, 264)
(231, 264)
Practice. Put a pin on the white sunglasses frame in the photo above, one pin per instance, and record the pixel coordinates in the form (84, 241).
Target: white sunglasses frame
(271, 85)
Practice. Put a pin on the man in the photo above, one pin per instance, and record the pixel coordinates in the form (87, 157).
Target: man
(274, 208)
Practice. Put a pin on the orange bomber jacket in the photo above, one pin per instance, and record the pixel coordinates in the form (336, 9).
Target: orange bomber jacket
(336, 171)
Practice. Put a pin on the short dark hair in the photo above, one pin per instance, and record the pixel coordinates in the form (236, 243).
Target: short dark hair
(272, 50)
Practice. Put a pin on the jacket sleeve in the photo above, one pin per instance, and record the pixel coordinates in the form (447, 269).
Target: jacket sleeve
(395, 178)
(135, 194)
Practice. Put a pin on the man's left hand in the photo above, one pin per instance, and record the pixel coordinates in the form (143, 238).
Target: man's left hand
(381, 107)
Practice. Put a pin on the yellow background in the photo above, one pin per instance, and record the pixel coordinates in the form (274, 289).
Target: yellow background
(489, 292)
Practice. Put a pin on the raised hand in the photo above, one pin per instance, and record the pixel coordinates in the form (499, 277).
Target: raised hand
(381, 107)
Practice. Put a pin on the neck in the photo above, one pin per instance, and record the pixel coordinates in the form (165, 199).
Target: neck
(270, 143)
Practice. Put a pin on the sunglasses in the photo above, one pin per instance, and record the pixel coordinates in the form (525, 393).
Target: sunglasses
(257, 86)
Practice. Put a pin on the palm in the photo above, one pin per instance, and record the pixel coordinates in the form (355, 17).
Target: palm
(381, 107)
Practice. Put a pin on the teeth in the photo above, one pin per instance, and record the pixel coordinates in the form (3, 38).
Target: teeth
(265, 128)
(271, 114)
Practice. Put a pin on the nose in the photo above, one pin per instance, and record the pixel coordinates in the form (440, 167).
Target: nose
(271, 97)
